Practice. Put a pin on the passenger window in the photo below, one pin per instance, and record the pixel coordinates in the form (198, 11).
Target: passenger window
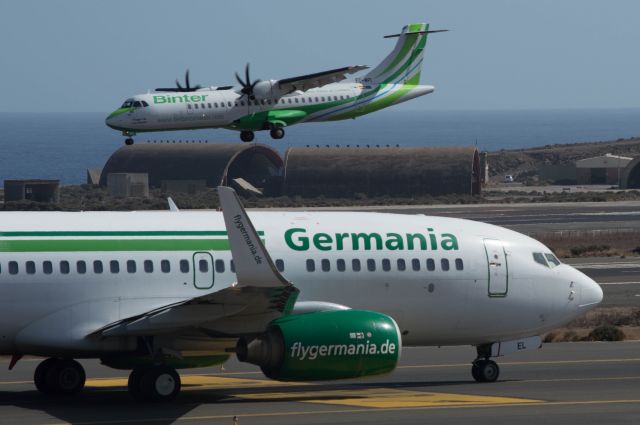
(326, 265)
(242, 103)
(184, 266)
(31, 267)
(280, 265)
(552, 260)
(415, 264)
(97, 267)
(303, 101)
(203, 266)
(289, 100)
(431, 265)
(81, 267)
(188, 106)
(311, 265)
(195, 105)
(355, 265)
(209, 105)
(165, 266)
(317, 99)
(539, 258)
(341, 265)
(232, 266)
(371, 265)
(64, 267)
(297, 101)
(444, 263)
(47, 267)
(229, 104)
(215, 104)
(386, 264)
(335, 97)
(13, 267)
(131, 266)
(459, 264)
(402, 265)
(114, 266)
(202, 105)
(322, 98)
(219, 266)
(148, 266)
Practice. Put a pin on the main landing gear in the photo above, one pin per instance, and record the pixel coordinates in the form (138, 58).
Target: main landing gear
(59, 377)
(154, 383)
(277, 133)
(483, 369)
(247, 136)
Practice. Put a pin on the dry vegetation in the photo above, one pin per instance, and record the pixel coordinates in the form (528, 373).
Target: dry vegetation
(592, 243)
(606, 320)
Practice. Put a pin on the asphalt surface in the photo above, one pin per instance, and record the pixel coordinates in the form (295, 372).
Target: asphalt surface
(618, 277)
(563, 383)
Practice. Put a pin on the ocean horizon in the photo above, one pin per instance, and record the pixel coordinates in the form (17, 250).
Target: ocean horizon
(63, 145)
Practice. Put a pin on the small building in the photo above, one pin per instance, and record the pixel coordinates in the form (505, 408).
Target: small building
(605, 169)
(32, 190)
(128, 185)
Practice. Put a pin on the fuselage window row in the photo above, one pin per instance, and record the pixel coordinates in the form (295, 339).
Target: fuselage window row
(386, 264)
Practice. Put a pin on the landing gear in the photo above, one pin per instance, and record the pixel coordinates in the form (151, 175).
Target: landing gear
(277, 133)
(246, 135)
(154, 383)
(128, 141)
(485, 370)
(128, 134)
(59, 377)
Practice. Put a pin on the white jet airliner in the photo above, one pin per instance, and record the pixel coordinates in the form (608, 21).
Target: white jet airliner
(336, 295)
(275, 104)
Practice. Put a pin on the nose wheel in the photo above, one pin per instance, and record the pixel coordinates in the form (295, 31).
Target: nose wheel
(485, 370)
(128, 141)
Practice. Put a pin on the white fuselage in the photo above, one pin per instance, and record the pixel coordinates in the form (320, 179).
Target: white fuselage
(493, 289)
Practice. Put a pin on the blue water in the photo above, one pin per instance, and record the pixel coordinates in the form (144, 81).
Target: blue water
(63, 145)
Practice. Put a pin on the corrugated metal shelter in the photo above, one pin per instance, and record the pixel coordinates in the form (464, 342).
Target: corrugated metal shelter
(605, 169)
(344, 172)
(216, 164)
(630, 178)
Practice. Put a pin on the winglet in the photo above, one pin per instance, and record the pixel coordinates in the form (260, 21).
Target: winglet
(172, 205)
(253, 264)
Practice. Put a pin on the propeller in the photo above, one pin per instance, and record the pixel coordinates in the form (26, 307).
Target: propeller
(247, 85)
(187, 87)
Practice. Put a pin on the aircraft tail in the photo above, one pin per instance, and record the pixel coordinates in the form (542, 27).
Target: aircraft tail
(404, 63)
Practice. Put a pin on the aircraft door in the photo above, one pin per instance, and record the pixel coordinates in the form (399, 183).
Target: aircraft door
(498, 268)
(202, 270)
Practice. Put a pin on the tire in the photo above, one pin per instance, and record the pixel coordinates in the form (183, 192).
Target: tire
(475, 372)
(65, 377)
(247, 136)
(128, 141)
(160, 384)
(488, 371)
(135, 382)
(277, 133)
(40, 375)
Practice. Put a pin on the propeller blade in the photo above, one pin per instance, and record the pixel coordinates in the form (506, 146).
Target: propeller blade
(246, 73)
(186, 79)
(240, 80)
(179, 86)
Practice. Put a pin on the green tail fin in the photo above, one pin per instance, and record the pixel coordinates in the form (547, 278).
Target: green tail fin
(404, 63)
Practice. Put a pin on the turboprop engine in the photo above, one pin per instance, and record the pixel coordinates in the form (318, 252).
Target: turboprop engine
(325, 345)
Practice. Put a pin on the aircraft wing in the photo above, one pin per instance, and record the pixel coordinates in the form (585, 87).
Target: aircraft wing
(260, 294)
(319, 79)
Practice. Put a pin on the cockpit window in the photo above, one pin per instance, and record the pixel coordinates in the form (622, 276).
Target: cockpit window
(145, 104)
(127, 104)
(137, 104)
(553, 261)
(539, 258)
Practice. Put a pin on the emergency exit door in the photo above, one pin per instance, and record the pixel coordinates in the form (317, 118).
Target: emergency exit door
(202, 270)
(498, 268)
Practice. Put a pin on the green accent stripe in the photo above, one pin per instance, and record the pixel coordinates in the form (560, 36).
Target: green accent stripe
(121, 233)
(74, 245)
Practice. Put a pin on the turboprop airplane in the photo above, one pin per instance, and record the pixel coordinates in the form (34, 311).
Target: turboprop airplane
(336, 294)
(275, 104)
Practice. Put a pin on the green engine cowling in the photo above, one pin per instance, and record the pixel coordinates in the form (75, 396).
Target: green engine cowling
(325, 345)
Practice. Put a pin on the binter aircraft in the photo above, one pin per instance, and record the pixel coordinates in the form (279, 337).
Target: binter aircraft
(304, 295)
(275, 104)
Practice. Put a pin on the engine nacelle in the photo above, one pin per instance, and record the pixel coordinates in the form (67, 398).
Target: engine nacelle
(325, 345)
(267, 90)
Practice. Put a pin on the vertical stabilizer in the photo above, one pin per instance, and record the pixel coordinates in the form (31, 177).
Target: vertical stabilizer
(404, 63)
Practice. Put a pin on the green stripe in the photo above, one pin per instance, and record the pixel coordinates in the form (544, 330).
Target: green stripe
(122, 233)
(114, 245)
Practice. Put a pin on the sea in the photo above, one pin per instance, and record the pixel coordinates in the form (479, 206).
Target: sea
(64, 145)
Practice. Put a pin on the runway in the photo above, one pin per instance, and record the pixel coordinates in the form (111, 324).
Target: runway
(618, 277)
(565, 383)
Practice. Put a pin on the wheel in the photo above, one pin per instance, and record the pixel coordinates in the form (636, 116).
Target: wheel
(277, 133)
(160, 384)
(39, 376)
(485, 371)
(65, 377)
(135, 382)
(246, 136)
(128, 141)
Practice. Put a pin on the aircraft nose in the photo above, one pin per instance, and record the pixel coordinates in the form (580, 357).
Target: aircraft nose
(591, 294)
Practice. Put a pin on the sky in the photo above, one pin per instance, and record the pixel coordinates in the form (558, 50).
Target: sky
(73, 56)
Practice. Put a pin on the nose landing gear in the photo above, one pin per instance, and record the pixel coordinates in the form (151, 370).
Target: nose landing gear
(483, 369)
(129, 140)
(247, 136)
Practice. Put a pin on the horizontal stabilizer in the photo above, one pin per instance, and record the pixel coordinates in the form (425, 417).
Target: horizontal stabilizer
(413, 32)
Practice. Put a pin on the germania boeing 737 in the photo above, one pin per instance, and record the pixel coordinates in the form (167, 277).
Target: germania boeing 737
(336, 294)
(275, 104)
